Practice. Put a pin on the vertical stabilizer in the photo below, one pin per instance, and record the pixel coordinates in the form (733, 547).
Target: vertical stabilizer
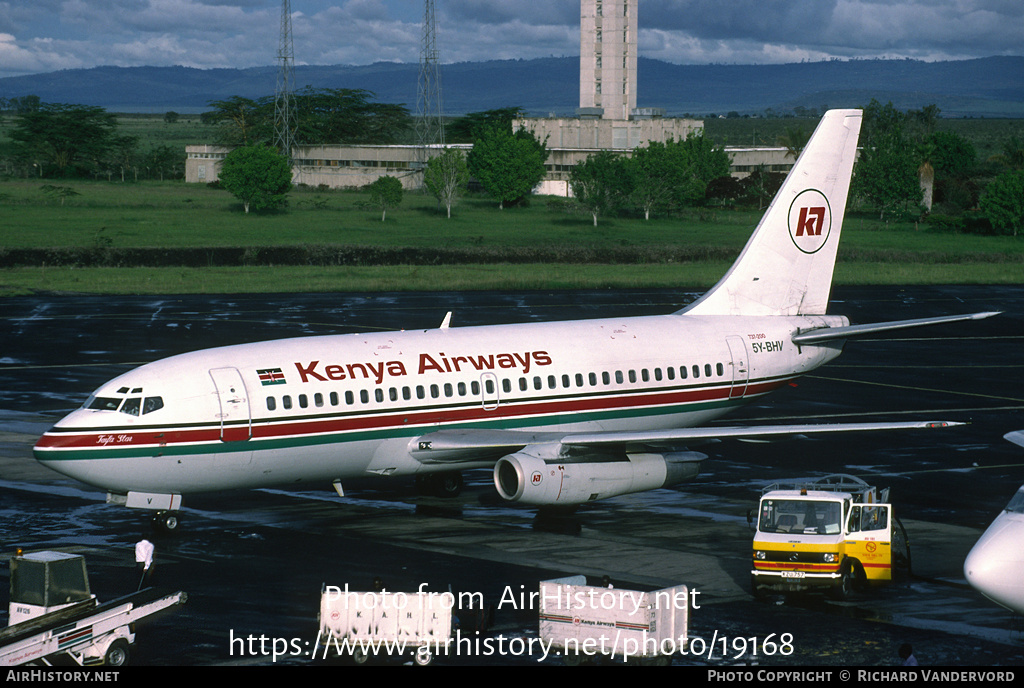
(786, 267)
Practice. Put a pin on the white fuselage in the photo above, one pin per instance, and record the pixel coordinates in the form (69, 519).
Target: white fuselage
(337, 407)
(995, 565)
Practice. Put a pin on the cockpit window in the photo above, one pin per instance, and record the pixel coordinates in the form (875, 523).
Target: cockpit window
(104, 404)
(131, 406)
(1017, 503)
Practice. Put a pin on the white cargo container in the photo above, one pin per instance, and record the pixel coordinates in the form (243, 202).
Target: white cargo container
(362, 625)
(583, 622)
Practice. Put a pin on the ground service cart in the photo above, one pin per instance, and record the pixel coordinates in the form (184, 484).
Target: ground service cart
(366, 625)
(55, 618)
(832, 533)
(583, 622)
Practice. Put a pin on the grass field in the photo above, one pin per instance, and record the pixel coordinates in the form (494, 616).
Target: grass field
(172, 214)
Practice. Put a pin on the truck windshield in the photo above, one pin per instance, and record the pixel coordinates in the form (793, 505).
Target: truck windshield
(800, 516)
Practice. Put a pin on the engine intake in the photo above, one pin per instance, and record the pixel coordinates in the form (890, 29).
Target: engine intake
(526, 478)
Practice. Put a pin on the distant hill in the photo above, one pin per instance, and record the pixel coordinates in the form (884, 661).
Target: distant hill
(987, 87)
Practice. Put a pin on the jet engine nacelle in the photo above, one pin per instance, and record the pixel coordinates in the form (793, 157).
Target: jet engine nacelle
(527, 478)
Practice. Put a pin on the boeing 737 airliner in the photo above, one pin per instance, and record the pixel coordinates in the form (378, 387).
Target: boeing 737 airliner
(563, 412)
(995, 565)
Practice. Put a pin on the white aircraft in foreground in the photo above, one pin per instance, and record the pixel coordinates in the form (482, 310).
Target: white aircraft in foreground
(995, 565)
(564, 412)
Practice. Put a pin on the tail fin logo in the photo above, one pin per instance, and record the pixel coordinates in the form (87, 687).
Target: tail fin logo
(810, 221)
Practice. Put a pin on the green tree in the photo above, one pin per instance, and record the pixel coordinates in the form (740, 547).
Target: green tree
(953, 155)
(446, 175)
(165, 161)
(508, 165)
(708, 161)
(61, 192)
(467, 128)
(674, 173)
(123, 153)
(66, 139)
(348, 115)
(385, 192)
(600, 183)
(794, 139)
(887, 178)
(1003, 202)
(324, 116)
(242, 121)
(1013, 153)
(887, 175)
(258, 176)
(656, 172)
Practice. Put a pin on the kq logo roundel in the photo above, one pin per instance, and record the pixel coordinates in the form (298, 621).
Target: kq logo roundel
(536, 478)
(810, 220)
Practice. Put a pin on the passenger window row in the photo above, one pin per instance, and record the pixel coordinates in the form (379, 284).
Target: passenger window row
(461, 389)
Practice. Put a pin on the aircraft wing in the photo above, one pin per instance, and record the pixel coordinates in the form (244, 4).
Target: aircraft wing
(826, 334)
(1017, 437)
(468, 444)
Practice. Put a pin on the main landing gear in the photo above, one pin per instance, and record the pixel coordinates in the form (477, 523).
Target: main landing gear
(448, 484)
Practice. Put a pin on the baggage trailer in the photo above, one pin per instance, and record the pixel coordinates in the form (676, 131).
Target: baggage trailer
(367, 625)
(585, 622)
(54, 616)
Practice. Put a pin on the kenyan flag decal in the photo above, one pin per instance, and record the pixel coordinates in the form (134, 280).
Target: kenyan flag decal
(271, 376)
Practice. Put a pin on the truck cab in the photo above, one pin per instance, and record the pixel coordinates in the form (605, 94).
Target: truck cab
(830, 534)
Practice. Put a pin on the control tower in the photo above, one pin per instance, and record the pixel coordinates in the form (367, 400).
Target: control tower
(608, 48)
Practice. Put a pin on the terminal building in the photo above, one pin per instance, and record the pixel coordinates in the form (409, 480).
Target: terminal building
(607, 119)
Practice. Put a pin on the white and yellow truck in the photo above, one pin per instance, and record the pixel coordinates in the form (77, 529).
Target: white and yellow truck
(835, 533)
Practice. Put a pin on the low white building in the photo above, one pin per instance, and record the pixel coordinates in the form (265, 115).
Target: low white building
(341, 167)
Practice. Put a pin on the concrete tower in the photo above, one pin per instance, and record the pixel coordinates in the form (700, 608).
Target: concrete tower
(608, 46)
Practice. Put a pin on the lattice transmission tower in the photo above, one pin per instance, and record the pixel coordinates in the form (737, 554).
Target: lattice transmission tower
(285, 116)
(429, 125)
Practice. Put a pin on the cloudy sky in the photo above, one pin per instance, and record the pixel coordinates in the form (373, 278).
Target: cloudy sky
(47, 35)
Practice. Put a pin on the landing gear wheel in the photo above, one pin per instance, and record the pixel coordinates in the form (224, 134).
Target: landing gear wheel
(447, 484)
(166, 521)
(117, 654)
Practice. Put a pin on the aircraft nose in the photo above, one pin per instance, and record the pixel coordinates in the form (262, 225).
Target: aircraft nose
(994, 564)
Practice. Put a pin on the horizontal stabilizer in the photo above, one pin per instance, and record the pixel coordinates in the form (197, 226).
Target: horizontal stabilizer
(827, 334)
(1017, 437)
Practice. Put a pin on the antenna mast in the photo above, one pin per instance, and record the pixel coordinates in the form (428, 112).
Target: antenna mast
(429, 126)
(285, 118)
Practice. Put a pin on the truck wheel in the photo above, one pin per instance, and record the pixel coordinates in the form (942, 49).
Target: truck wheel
(846, 585)
(756, 590)
(360, 656)
(422, 658)
(117, 654)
